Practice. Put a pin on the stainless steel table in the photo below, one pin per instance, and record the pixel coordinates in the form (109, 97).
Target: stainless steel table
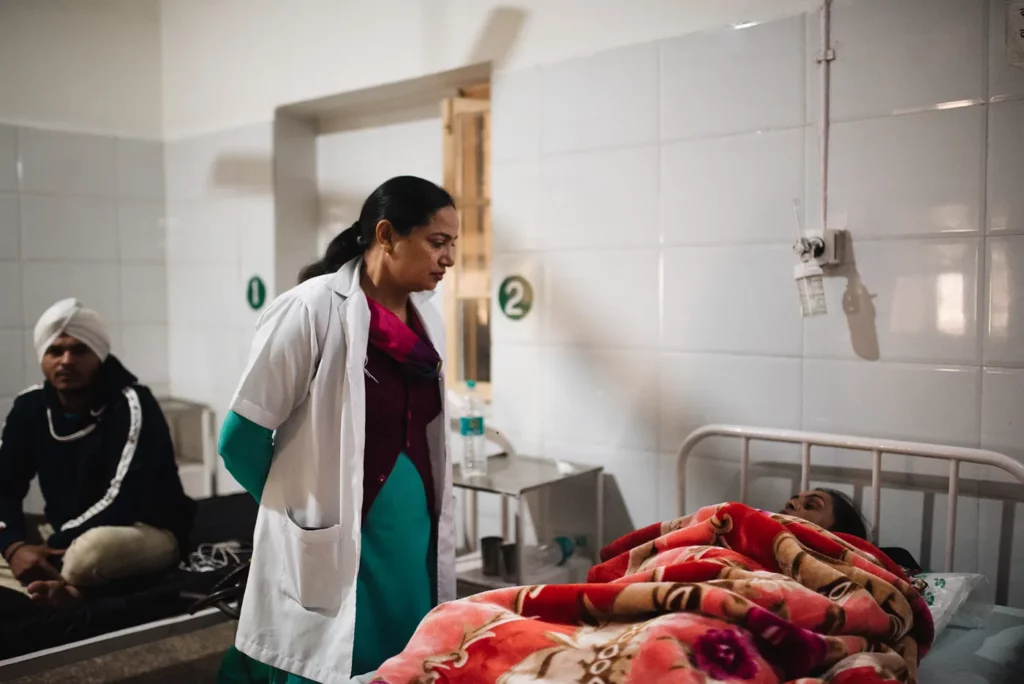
(566, 499)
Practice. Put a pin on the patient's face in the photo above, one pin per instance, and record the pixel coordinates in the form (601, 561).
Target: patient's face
(69, 365)
(813, 506)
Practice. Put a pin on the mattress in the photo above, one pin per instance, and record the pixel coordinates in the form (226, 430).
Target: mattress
(991, 654)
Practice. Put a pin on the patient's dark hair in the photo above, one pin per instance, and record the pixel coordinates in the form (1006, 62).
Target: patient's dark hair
(848, 518)
(407, 202)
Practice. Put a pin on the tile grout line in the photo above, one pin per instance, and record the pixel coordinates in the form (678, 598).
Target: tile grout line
(981, 296)
(804, 186)
(937, 365)
(747, 244)
(542, 329)
(660, 506)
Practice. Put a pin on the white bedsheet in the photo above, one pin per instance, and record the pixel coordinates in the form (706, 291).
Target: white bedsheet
(993, 654)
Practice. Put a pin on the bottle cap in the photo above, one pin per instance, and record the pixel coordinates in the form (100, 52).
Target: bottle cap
(566, 546)
(471, 384)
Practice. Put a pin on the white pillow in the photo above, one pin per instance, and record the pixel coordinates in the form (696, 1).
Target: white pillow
(960, 599)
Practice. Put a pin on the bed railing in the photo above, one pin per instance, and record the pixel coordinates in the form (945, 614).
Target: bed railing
(954, 455)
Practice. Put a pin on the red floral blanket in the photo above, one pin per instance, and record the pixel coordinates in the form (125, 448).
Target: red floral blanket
(728, 594)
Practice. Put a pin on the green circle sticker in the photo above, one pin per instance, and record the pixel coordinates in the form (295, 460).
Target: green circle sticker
(515, 296)
(255, 292)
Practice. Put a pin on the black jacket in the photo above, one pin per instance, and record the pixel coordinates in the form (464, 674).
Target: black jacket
(114, 466)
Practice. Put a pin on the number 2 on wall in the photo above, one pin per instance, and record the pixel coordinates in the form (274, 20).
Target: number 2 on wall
(515, 297)
(514, 291)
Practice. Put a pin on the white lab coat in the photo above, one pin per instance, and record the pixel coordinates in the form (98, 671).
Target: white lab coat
(305, 379)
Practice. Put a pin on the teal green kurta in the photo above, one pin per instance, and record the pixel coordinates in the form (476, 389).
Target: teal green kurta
(397, 580)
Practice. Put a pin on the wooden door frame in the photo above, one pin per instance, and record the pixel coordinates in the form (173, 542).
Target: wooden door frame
(472, 100)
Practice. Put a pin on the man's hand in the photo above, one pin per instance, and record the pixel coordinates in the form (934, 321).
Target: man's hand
(31, 563)
(54, 594)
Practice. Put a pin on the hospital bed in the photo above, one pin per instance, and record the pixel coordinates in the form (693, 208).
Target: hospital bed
(138, 612)
(990, 654)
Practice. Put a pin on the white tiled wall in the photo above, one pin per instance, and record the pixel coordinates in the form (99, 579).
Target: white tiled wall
(81, 216)
(887, 59)
(220, 233)
(625, 180)
(728, 82)
(877, 166)
(601, 101)
(352, 163)
(647, 193)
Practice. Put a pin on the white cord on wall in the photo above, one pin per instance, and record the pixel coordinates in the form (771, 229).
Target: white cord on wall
(825, 57)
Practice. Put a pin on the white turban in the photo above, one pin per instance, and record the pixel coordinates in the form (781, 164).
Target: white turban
(69, 317)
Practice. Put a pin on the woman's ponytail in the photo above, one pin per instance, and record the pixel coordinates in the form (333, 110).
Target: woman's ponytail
(406, 202)
(346, 246)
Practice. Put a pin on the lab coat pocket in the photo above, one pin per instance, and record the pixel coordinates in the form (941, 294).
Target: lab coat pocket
(312, 566)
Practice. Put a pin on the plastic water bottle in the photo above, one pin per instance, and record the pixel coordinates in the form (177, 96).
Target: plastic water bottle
(471, 427)
(560, 561)
(556, 552)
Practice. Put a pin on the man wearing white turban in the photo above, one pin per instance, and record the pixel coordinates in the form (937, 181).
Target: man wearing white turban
(101, 448)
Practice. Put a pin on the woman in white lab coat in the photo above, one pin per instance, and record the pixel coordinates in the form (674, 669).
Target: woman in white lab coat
(338, 429)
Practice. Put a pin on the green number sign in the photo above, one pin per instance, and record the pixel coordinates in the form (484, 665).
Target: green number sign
(255, 292)
(515, 296)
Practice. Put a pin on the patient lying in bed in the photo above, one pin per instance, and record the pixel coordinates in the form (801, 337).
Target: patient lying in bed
(726, 594)
(835, 512)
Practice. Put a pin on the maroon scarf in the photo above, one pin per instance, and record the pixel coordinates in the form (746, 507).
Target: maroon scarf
(406, 344)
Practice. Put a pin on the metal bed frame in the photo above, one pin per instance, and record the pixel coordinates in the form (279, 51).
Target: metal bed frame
(954, 455)
(51, 658)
